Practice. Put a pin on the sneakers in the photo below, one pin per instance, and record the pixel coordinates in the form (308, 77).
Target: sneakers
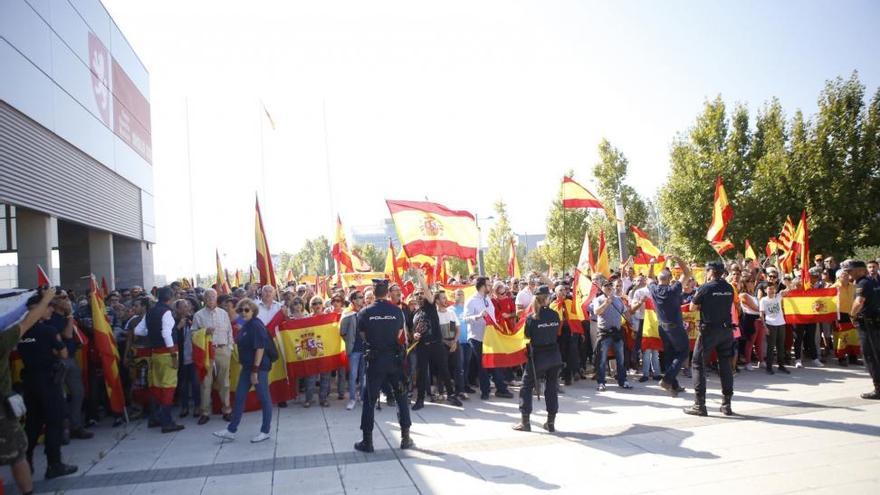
(626, 385)
(798, 364)
(601, 387)
(463, 396)
(260, 437)
(643, 379)
(224, 435)
(60, 469)
(817, 363)
(749, 367)
(350, 405)
(875, 395)
(503, 394)
(452, 399)
(697, 410)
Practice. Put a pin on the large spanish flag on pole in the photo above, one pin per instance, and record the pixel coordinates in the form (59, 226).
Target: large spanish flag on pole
(504, 350)
(264, 257)
(801, 245)
(392, 271)
(434, 230)
(345, 258)
(313, 345)
(722, 212)
(602, 265)
(802, 307)
(512, 262)
(651, 328)
(105, 344)
(575, 195)
(644, 243)
(222, 284)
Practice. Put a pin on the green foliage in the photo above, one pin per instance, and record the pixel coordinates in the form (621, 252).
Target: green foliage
(312, 255)
(374, 257)
(536, 260)
(828, 165)
(498, 243)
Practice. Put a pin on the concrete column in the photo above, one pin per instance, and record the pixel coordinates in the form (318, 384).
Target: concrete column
(34, 245)
(101, 256)
(133, 261)
(73, 255)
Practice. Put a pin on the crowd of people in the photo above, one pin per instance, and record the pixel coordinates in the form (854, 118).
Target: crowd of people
(441, 346)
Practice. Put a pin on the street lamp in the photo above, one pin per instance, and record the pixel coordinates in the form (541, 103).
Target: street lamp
(480, 266)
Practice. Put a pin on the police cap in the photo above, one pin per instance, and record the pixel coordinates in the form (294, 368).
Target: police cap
(715, 266)
(543, 291)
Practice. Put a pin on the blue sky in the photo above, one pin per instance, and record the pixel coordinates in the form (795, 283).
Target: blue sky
(460, 101)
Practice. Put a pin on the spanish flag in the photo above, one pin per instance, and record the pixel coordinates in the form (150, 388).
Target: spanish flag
(313, 345)
(644, 243)
(346, 259)
(501, 350)
(772, 247)
(750, 253)
(360, 279)
(468, 290)
(642, 264)
(807, 306)
(651, 339)
(582, 273)
(722, 212)
(202, 353)
(568, 313)
(105, 291)
(512, 263)
(433, 230)
(237, 278)
(801, 245)
(691, 321)
(222, 284)
(105, 344)
(16, 366)
(392, 271)
(601, 265)
(575, 195)
(264, 257)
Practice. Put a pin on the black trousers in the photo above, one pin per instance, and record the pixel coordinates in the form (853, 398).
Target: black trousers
(383, 369)
(433, 355)
(721, 341)
(869, 335)
(551, 389)
(44, 400)
(569, 346)
(805, 341)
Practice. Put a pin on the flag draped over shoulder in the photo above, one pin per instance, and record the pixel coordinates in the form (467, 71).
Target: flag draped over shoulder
(651, 328)
(503, 350)
(722, 213)
(264, 257)
(105, 344)
(575, 195)
(202, 352)
(313, 345)
(810, 306)
(645, 244)
(432, 229)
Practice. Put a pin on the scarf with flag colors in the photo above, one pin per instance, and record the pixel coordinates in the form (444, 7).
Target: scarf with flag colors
(313, 345)
(502, 350)
(433, 229)
(105, 344)
(806, 306)
(575, 195)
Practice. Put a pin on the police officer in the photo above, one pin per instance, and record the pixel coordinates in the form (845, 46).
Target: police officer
(866, 317)
(714, 301)
(545, 360)
(41, 352)
(381, 325)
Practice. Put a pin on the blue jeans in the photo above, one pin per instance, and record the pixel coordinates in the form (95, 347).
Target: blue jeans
(464, 351)
(500, 386)
(676, 347)
(651, 363)
(605, 344)
(355, 373)
(241, 392)
(323, 392)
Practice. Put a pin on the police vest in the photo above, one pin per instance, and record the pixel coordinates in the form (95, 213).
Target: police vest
(543, 327)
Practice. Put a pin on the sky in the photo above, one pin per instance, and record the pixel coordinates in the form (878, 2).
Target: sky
(461, 102)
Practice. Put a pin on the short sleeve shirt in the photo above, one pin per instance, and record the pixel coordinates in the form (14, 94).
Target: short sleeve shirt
(772, 309)
(667, 302)
(716, 300)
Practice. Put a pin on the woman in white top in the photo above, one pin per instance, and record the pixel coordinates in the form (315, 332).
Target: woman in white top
(771, 314)
(749, 314)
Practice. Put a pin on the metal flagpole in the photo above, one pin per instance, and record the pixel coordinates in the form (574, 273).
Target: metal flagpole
(192, 221)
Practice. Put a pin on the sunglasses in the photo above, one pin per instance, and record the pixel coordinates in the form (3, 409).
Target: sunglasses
(772, 276)
(316, 304)
(243, 310)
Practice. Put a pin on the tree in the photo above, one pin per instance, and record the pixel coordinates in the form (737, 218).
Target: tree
(498, 242)
(314, 256)
(373, 256)
(536, 260)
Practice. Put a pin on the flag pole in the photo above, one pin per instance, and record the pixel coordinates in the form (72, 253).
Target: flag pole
(192, 221)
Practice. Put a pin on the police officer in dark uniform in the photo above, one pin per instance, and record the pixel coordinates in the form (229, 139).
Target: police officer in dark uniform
(545, 360)
(866, 317)
(381, 325)
(41, 352)
(713, 300)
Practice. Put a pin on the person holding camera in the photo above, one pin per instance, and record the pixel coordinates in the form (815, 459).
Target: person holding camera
(611, 312)
(42, 352)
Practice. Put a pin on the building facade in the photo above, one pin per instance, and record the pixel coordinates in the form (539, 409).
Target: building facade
(76, 170)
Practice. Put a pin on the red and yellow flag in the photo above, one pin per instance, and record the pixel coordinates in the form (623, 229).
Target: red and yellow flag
(504, 350)
(222, 284)
(801, 245)
(392, 271)
(105, 344)
(313, 345)
(264, 257)
(807, 306)
(432, 229)
(512, 262)
(651, 339)
(237, 282)
(575, 195)
(468, 290)
(644, 243)
(568, 312)
(347, 260)
(691, 320)
(772, 247)
(42, 277)
(602, 265)
(202, 352)
(105, 291)
(642, 264)
(360, 280)
(722, 212)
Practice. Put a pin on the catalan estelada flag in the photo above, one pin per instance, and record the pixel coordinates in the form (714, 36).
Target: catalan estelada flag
(264, 257)
(502, 350)
(105, 344)
(313, 345)
(575, 195)
(807, 306)
(433, 230)
(651, 339)
(644, 243)
(202, 352)
(722, 212)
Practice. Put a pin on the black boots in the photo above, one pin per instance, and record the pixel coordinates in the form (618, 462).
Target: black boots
(60, 469)
(405, 441)
(874, 395)
(725, 406)
(550, 424)
(699, 407)
(365, 445)
(524, 424)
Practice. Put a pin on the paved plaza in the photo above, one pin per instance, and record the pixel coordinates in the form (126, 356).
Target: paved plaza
(808, 432)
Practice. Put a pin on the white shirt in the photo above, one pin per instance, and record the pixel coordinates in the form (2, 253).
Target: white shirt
(524, 298)
(473, 314)
(167, 328)
(639, 295)
(218, 319)
(266, 313)
(772, 309)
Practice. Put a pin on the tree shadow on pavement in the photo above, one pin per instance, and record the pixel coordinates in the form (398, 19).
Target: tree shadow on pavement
(641, 439)
(820, 424)
(489, 473)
